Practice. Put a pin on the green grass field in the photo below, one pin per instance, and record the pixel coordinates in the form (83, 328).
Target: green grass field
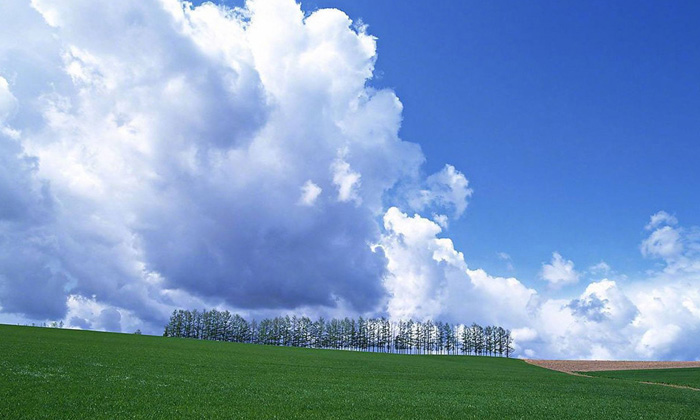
(52, 373)
(681, 376)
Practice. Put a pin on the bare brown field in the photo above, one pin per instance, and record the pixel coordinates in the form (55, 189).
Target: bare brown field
(570, 366)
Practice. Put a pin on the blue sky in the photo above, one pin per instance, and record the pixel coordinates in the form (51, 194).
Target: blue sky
(282, 159)
(573, 121)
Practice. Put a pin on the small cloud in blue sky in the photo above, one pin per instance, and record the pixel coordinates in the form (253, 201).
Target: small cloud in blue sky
(559, 271)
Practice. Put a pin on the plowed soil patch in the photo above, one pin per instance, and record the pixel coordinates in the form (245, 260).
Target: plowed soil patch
(570, 366)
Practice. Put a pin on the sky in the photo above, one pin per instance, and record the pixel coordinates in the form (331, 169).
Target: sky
(526, 165)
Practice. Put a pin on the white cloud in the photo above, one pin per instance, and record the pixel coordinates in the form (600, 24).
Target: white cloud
(600, 268)
(664, 242)
(501, 300)
(507, 259)
(416, 281)
(559, 271)
(640, 320)
(175, 139)
(88, 313)
(8, 106)
(524, 334)
(661, 218)
(428, 278)
(441, 220)
(657, 341)
(8, 102)
(678, 247)
(309, 193)
(668, 321)
(446, 188)
(50, 15)
(346, 180)
(603, 301)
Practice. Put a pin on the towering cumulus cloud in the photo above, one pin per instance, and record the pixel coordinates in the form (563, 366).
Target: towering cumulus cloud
(174, 155)
(156, 155)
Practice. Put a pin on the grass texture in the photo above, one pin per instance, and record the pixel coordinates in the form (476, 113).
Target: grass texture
(52, 373)
(678, 376)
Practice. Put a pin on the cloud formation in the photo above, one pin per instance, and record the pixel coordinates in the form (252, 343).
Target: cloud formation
(661, 218)
(166, 156)
(559, 272)
(179, 156)
(447, 189)
(309, 193)
(428, 278)
(654, 317)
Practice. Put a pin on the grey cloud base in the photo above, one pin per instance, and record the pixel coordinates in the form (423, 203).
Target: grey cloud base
(174, 142)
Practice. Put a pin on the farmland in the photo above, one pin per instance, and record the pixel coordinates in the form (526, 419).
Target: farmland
(689, 377)
(53, 373)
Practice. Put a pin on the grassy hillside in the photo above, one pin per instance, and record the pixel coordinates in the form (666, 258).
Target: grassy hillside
(681, 376)
(50, 373)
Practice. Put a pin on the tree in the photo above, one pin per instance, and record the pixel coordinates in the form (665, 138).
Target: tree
(508, 343)
(477, 339)
(373, 334)
(488, 340)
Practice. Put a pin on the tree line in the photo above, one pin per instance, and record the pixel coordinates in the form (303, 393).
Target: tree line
(371, 334)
